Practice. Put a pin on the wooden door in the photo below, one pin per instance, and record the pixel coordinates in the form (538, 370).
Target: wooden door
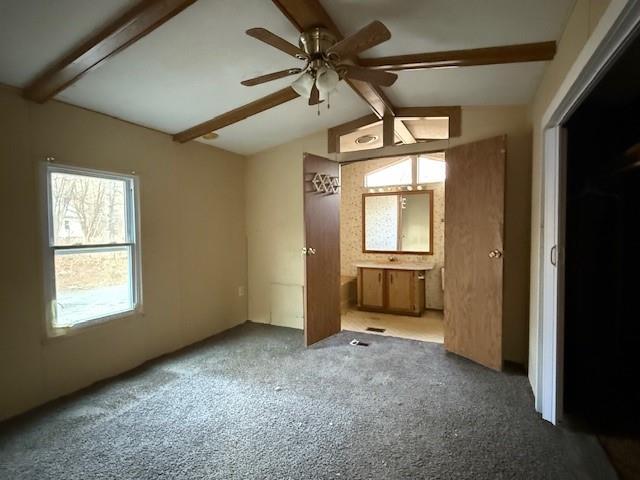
(400, 290)
(322, 248)
(372, 287)
(474, 218)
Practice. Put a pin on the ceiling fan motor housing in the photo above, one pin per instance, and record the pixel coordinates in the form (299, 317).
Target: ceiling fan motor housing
(316, 42)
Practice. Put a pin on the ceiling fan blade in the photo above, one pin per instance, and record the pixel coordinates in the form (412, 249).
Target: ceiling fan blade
(377, 77)
(365, 38)
(314, 98)
(270, 76)
(275, 41)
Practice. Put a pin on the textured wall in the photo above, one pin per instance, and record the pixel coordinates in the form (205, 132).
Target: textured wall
(352, 181)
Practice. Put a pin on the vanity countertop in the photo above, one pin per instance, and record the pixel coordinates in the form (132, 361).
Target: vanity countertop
(395, 265)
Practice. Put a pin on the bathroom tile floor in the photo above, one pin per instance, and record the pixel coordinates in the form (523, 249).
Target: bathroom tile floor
(427, 328)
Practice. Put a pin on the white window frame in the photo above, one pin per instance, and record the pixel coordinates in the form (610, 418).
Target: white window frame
(132, 212)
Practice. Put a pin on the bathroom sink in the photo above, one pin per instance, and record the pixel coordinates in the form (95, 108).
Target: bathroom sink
(395, 265)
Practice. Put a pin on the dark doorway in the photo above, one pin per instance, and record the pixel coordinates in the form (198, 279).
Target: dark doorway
(602, 296)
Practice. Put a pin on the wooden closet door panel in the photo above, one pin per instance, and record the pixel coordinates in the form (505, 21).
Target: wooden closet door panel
(372, 288)
(401, 290)
(322, 263)
(474, 218)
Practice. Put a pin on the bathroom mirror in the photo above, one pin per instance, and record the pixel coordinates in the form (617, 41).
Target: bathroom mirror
(398, 222)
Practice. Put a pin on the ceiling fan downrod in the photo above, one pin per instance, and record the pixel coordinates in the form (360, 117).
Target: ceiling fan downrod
(316, 42)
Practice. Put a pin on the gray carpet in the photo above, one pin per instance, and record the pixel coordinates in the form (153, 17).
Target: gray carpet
(252, 403)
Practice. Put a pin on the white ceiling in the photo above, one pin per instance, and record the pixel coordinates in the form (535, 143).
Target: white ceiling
(34, 33)
(440, 25)
(188, 70)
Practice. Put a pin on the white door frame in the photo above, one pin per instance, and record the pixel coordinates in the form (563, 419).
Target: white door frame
(551, 326)
(618, 26)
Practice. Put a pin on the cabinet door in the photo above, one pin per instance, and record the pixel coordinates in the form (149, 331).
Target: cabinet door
(401, 291)
(372, 287)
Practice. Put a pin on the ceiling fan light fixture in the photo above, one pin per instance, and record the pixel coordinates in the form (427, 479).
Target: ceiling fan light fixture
(366, 139)
(327, 81)
(303, 84)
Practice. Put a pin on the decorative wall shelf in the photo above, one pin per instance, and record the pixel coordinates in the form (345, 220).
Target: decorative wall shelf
(323, 183)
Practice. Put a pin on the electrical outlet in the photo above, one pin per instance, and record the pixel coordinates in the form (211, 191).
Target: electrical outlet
(242, 291)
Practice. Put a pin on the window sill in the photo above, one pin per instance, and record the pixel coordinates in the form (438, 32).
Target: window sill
(55, 335)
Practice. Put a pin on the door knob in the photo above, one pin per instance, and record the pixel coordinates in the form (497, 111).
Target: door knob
(495, 253)
(312, 251)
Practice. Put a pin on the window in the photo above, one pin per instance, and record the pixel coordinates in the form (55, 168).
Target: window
(408, 172)
(396, 174)
(92, 246)
(431, 169)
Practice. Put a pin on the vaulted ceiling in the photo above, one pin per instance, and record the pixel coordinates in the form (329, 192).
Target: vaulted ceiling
(189, 69)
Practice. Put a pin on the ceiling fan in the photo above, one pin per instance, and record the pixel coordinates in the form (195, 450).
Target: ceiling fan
(330, 58)
(327, 60)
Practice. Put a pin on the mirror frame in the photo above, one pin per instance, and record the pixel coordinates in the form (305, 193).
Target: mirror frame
(415, 192)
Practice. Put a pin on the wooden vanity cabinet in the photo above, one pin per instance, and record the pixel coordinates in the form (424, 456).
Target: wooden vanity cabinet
(391, 291)
(371, 287)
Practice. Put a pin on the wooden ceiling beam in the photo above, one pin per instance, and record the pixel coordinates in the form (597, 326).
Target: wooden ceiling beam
(334, 133)
(306, 14)
(529, 52)
(134, 24)
(400, 129)
(454, 114)
(403, 133)
(375, 98)
(236, 115)
(388, 131)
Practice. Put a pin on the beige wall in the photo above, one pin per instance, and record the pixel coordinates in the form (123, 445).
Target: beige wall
(275, 231)
(352, 181)
(193, 248)
(275, 223)
(582, 22)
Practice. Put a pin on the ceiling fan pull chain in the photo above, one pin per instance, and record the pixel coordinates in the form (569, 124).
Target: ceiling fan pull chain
(328, 100)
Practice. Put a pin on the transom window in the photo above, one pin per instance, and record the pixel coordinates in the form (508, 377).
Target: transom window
(431, 169)
(396, 174)
(93, 250)
(409, 171)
